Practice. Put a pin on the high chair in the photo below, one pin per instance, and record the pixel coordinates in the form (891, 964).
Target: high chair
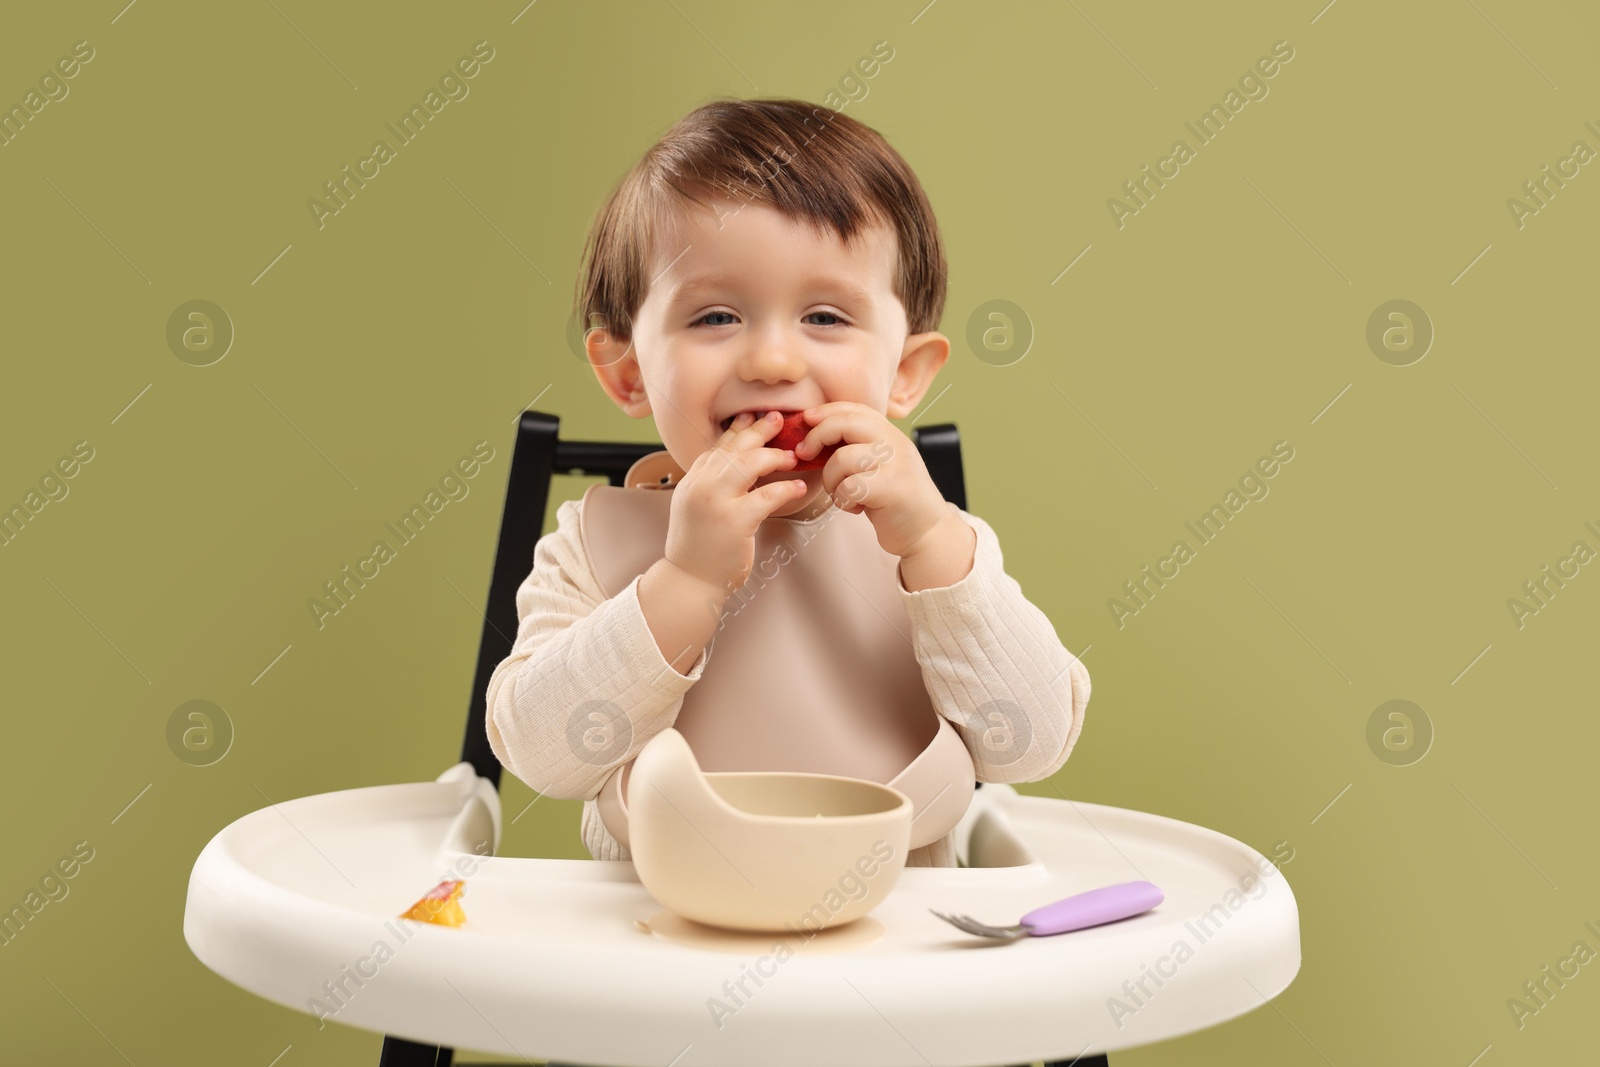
(298, 903)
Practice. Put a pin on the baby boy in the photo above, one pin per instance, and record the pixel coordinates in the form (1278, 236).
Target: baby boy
(767, 258)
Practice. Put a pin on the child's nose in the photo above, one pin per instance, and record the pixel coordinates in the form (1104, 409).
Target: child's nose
(774, 358)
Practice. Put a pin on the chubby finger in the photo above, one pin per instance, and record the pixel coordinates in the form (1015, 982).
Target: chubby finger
(856, 425)
(845, 460)
(744, 437)
(853, 493)
(747, 428)
(834, 407)
(766, 460)
(756, 431)
(739, 423)
(845, 465)
(740, 470)
(768, 498)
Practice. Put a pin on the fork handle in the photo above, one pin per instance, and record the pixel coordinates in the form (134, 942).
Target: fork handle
(1097, 906)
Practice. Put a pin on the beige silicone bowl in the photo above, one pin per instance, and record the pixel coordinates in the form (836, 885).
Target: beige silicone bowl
(762, 850)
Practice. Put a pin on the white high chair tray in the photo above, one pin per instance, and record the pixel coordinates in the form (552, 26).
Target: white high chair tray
(292, 902)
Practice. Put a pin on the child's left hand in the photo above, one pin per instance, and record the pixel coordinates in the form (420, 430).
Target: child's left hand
(878, 470)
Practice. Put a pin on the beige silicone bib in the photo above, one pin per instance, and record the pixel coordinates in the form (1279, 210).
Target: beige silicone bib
(812, 668)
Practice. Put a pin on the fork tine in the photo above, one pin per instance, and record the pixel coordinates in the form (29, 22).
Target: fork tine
(967, 924)
(985, 929)
(953, 920)
(972, 926)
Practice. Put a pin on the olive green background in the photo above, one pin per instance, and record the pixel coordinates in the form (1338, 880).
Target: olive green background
(1229, 314)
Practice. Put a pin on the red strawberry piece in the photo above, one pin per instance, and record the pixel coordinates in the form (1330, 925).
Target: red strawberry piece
(794, 431)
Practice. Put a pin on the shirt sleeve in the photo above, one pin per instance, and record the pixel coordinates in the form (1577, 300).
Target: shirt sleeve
(585, 686)
(995, 668)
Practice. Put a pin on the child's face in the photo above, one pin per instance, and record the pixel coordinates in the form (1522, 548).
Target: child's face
(750, 310)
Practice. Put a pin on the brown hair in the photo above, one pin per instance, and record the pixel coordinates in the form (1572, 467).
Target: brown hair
(812, 164)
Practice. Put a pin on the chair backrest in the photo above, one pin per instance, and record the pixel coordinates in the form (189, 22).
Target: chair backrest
(539, 455)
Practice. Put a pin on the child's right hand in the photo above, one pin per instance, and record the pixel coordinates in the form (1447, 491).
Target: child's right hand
(712, 525)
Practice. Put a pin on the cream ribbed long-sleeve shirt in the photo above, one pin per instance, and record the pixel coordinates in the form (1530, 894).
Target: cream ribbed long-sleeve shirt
(978, 640)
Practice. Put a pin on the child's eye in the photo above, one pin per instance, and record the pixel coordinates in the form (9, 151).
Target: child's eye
(838, 320)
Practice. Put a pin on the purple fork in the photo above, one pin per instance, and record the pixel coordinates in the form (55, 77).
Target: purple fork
(1094, 908)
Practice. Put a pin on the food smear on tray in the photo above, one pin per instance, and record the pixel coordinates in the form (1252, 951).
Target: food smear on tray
(439, 905)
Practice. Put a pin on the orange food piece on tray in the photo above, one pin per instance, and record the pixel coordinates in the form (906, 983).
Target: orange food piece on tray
(440, 905)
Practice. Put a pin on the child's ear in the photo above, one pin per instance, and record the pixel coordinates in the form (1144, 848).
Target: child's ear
(921, 358)
(617, 366)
